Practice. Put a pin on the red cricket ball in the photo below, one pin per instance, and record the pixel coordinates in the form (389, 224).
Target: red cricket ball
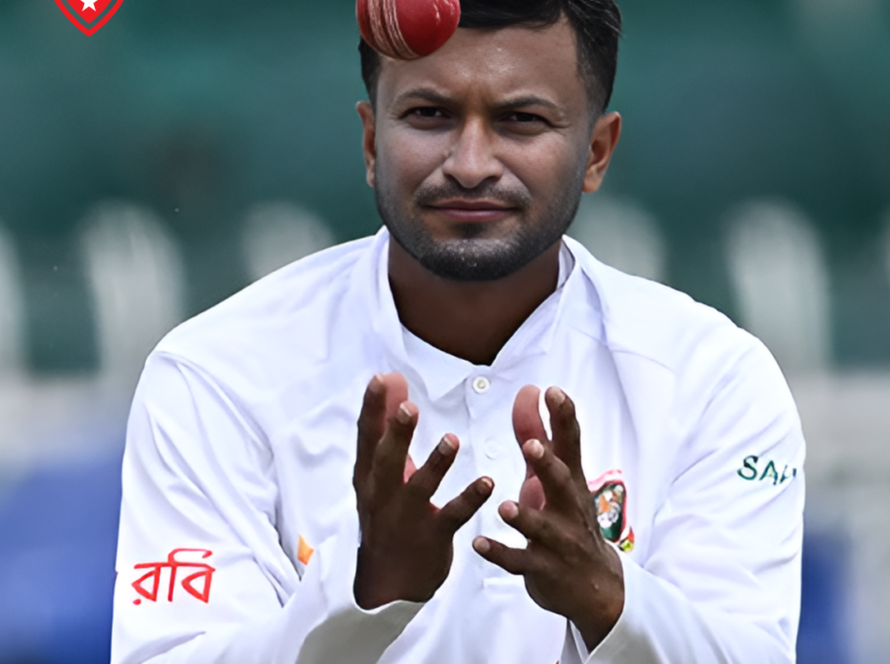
(407, 29)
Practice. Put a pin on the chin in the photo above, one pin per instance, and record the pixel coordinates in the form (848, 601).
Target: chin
(473, 259)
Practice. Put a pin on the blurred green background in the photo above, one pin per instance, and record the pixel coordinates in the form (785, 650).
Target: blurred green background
(199, 109)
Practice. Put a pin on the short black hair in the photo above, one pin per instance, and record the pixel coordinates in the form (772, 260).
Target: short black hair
(597, 25)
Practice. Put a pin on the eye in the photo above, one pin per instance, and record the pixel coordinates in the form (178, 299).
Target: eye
(425, 113)
(524, 118)
(525, 124)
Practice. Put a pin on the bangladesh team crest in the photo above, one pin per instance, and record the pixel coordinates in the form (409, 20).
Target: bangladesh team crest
(609, 495)
(89, 15)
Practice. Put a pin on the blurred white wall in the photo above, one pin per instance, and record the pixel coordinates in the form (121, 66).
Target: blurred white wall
(135, 278)
(277, 233)
(846, 421)
(886, 243)
(621, 233)
(11, 311)
(780, 282)
(136, 282)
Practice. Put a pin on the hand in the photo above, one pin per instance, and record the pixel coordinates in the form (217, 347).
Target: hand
(568, 567)
(406, 542)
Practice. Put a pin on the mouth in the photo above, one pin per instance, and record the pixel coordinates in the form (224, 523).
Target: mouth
(472, 211)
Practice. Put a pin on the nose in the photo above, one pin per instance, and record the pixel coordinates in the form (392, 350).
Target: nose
(472, 159)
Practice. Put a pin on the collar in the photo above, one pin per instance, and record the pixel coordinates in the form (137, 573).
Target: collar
(437, 371)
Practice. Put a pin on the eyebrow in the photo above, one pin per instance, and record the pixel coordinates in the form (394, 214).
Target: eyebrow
(420, 94)
(432, 96)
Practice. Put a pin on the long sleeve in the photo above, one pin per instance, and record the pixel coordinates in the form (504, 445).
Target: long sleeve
(720, 581)
(200, 502)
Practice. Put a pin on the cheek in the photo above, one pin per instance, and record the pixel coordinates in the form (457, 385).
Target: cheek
(409, 158)
(545, 166)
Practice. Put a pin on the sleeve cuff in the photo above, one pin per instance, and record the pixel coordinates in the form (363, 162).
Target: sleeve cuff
(348, 634)
(611, 647)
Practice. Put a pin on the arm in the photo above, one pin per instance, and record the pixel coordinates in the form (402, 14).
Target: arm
(198, 474)
(722, 580)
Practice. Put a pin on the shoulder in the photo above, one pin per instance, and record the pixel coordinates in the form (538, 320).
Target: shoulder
(688, 361)
(278, 325)
(660, 324)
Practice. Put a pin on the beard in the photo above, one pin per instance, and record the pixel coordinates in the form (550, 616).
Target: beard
(472, 256)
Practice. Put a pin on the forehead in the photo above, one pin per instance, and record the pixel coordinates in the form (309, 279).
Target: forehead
(492, 65)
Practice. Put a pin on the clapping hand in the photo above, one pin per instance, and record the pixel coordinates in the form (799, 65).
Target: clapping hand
(568, 566)
(406, 542)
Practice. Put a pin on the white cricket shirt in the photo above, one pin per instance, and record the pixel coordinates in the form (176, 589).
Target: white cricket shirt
(239, 527)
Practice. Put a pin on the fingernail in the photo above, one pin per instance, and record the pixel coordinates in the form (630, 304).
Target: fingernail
(481, 545)
(509, 510)
(404, 415)
(446, 446)
(486, 485)
(559, 395)
(535, 449)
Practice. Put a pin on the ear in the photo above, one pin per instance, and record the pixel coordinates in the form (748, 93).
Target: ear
(604, 139)
(369, 138)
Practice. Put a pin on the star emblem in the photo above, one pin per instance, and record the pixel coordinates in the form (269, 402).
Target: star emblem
(89, 3)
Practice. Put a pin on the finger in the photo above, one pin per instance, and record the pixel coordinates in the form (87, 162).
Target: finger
(459, 510)
(426, 480)
(555, 476)
(370, 425)
(534, 524)
(527, 422)
(566, 430)
(391, 455)
(514, 561)
(382, 397)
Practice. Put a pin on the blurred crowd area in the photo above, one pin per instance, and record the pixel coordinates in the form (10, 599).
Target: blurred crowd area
(190, 148)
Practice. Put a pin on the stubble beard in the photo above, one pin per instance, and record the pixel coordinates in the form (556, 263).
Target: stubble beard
(473, 257)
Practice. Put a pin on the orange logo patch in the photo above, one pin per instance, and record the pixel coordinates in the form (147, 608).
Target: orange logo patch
(304, 551)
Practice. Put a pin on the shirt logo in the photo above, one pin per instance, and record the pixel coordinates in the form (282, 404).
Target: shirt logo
(755, 469)
(204, 574)
(609, 495)
(304, 551)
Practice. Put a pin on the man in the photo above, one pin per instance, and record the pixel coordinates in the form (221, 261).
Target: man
(350, 460)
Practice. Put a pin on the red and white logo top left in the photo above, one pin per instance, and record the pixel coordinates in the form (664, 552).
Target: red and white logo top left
(89, 15)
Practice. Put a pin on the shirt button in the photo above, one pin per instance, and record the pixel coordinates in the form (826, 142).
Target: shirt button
(481, 385)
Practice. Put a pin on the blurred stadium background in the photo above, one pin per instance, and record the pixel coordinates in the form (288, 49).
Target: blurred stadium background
(188, 148)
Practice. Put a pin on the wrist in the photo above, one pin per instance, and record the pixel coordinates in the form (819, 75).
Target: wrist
(594, 627)
(368, 595)
(598, 616)
(378, 583)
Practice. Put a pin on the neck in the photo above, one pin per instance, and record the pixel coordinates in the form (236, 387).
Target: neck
(470, 320)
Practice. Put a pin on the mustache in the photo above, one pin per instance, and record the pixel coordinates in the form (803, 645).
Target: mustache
(431, 195)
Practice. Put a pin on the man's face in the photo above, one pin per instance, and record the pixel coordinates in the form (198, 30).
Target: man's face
(478, 153)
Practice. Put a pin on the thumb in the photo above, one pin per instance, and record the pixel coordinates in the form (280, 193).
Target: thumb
(527, 425)
(532, 493)
(527, 422)
(410, 469)
(396, 393)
